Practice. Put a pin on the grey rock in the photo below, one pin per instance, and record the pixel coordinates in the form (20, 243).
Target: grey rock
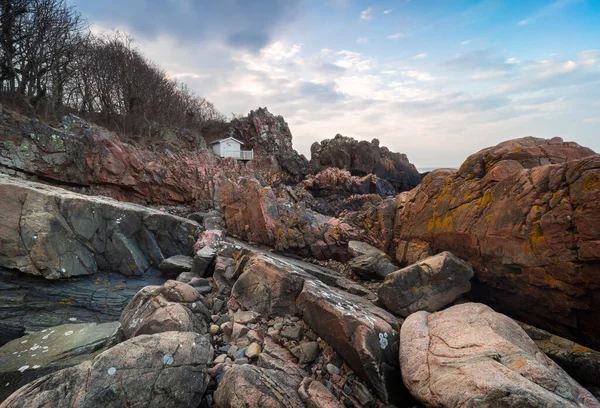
(37, 354)
(358, 248)
(160, 370)
(306, 352)
(333, 369)
(203, 259)
(54, 233)
(175, 265)
(428, 285)
(373, 265)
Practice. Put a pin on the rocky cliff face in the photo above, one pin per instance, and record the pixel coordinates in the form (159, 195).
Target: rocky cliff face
(362, 158)
(89, 157)
(526, 214)
(270, 135)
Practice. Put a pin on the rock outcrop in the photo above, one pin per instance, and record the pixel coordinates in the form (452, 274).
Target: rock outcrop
(369, 262)
(30, 357)
(526, 215)
(162, 370)
(469, 355)
(90, 159)
(255, 214)
(428, 285)
(362, 158)
(272, 139)
(53, 233)
(174, 306)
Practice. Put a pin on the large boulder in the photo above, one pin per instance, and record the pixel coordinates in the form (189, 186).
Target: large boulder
(174, 306)
(582, 363)
(526, 215)
(250, 386)
(427, 285)
(30, 357)
(160, 370)
(362, 158)
(364, 335)
(54, 233)
(469, 355)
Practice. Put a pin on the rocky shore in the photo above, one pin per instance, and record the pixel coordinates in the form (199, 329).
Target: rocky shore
(172, 278)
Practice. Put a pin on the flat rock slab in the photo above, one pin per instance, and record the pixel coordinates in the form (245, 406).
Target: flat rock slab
(160, 370)
(37, 354)
(469, 355)
(30, 304)
(175, 265)
(427, 285)
(54, 233)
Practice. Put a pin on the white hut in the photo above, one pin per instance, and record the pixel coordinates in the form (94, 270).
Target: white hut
(231, 147)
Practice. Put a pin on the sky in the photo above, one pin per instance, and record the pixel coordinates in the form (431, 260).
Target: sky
(435, 79)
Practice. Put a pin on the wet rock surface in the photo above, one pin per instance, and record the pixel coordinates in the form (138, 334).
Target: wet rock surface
(525, 214)
(427, 285)
(30, 304)
(51, 232)
(37, 354)
(470, 355)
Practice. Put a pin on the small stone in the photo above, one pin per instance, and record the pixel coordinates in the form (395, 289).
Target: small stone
(278, 326)
(292, 332)
(306, 352)
(242, 360)
(218, 305)
(253, 350)
(273, 332)
(332, 369)
(245, 316)
(214, 329)
(220, 358)
(240, 353)
(232, 351)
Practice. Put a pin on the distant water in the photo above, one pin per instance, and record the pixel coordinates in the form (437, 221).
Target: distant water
(428, 169)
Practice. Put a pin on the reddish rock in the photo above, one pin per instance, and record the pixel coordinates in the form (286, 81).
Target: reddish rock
(362, 158)
(250, 386)
(90, 157)
(469, 355)
(174, 306)
(526, 215)
(316, 395)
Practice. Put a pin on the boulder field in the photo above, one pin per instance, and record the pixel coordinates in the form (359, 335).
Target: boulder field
(294, 284)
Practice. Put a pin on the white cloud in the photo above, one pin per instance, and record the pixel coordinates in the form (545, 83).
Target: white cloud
(388, 11)
(592, 120)
(362, 40)
(397, 35)
(354, 61)
(421, 55)
(419, 75)
(589, 57)
(367, 14)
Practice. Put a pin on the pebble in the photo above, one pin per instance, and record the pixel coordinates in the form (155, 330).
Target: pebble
(332, 369)
(278, 326)
(214, 329)
(253, 350)
(220, 358)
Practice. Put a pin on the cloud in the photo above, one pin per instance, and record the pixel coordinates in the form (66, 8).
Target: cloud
(589, 57)
(421, 55)
(397, 35)
(547, 10)
(367, 14)
(419, 75)
(477, 60)
(362, 40)
(197, 21)
(388, 11)
(354, 61)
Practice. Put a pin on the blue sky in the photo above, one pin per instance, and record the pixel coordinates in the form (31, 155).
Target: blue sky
(437, 80)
